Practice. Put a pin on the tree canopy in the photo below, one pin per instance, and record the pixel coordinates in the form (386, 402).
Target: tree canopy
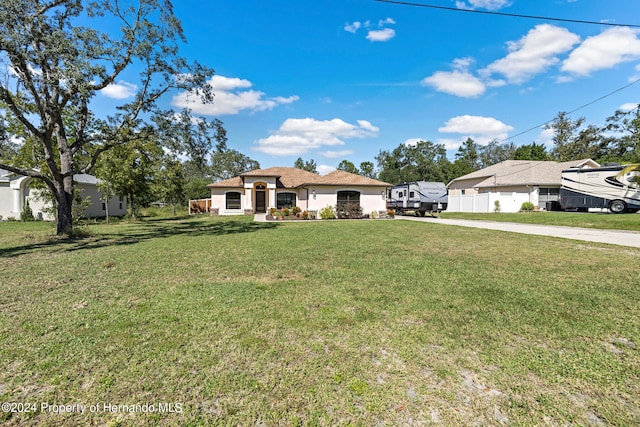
(57, 60)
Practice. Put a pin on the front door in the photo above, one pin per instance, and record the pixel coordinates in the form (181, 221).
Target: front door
(261, 206)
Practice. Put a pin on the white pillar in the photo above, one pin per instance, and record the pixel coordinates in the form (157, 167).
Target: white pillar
(17, 201)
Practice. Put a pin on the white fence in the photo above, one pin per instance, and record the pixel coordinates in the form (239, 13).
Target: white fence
(485, 202)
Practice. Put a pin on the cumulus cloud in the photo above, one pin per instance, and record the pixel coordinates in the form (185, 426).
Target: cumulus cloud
(606, 50)
(375, 33)
(459, 82)
(231, 96)
(120, 90)
(533, 54)
(628, 106)
(336, 154)
(353, 27)
(298, 136)
(481, 129)
(483, 4)
(325, 169)
(383, 35)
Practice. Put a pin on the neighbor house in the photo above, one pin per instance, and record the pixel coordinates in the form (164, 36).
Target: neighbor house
(16, 191)
(258, 190)
(511, 183)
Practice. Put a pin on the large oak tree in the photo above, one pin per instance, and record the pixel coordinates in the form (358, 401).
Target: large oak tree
(57, 55)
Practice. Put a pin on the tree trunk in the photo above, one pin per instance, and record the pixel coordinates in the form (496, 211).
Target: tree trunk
(64, 202)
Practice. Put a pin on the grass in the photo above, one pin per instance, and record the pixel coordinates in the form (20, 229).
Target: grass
(629, 222)
(323, 323)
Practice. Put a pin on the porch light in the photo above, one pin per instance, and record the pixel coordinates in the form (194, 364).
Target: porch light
(382, 193)
(313, 193)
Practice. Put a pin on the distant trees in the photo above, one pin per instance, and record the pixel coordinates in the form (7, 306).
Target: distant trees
(309, 166)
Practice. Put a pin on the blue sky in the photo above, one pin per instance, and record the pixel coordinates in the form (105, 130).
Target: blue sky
(344, 79)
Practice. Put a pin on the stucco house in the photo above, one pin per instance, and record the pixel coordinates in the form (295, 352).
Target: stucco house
(511, 183)
(259, 190)
(15, 191)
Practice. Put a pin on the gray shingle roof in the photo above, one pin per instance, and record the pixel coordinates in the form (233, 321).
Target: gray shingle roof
(520, 172)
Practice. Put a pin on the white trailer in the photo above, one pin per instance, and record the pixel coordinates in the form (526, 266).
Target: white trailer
(419, 197)
(603, 188)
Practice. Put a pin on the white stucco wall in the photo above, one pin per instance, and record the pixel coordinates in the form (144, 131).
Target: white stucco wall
(15, 193)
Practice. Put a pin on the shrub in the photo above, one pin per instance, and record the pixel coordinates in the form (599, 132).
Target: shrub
(296, 210)
(285, 212)
(373, 214)
(27, 213)
(527, 207)
(305, 215)
(328, 213)
(391, 213)
(496, 206)
(349, 210)
(273, 212)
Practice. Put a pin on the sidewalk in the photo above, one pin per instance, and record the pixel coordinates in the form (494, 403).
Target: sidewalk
(612, 237)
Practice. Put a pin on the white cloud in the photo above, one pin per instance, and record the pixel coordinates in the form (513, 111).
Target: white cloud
(628, 106)
(412, 142)
(325, 169)
(484, 4)
(458, 83)
(120, 90)
(353, 27)
(336, 154)
(606, 50)
(383, 35)
(298, 136)
(533, 54)
(481, 129)
(375, 33)
(231, 95)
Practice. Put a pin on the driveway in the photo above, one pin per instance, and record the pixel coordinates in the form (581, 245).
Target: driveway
(612, 237)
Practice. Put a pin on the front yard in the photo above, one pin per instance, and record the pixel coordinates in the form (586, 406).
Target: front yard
(223, 321)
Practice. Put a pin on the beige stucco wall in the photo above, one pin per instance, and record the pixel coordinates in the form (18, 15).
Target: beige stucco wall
(371, 198)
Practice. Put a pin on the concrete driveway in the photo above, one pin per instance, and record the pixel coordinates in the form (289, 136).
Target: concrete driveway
(613, 237)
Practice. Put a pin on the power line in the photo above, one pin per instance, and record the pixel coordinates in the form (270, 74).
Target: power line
(512, 15)
(573, 111)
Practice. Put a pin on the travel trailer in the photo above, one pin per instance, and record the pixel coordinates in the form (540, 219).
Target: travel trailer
(602, 187)
(419, 197)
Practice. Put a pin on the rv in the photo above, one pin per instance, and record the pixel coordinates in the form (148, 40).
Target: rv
(602, 187)
(418, 196)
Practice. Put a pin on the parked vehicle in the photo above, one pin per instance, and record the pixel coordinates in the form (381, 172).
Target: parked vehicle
(602, 187)
(419, 197)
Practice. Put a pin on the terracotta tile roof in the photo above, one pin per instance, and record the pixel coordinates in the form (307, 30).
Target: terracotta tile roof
(293, 177)
(520, 172)
(236, 181)
(338, 177)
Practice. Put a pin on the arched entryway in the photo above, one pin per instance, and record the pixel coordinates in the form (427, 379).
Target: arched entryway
(260, 197)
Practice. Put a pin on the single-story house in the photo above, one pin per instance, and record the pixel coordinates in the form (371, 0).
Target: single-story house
(511, 183)
(259, 190)
(15, 191)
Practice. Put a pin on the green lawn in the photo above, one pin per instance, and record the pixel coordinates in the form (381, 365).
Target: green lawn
(630, 222)
(371, 322)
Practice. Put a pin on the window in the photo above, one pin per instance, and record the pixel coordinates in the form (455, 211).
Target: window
(104, 206)
(286, 200)
(348, 197)
(412, 194)
(233, 200)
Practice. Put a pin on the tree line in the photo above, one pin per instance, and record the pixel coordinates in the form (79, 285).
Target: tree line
(618, 141)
